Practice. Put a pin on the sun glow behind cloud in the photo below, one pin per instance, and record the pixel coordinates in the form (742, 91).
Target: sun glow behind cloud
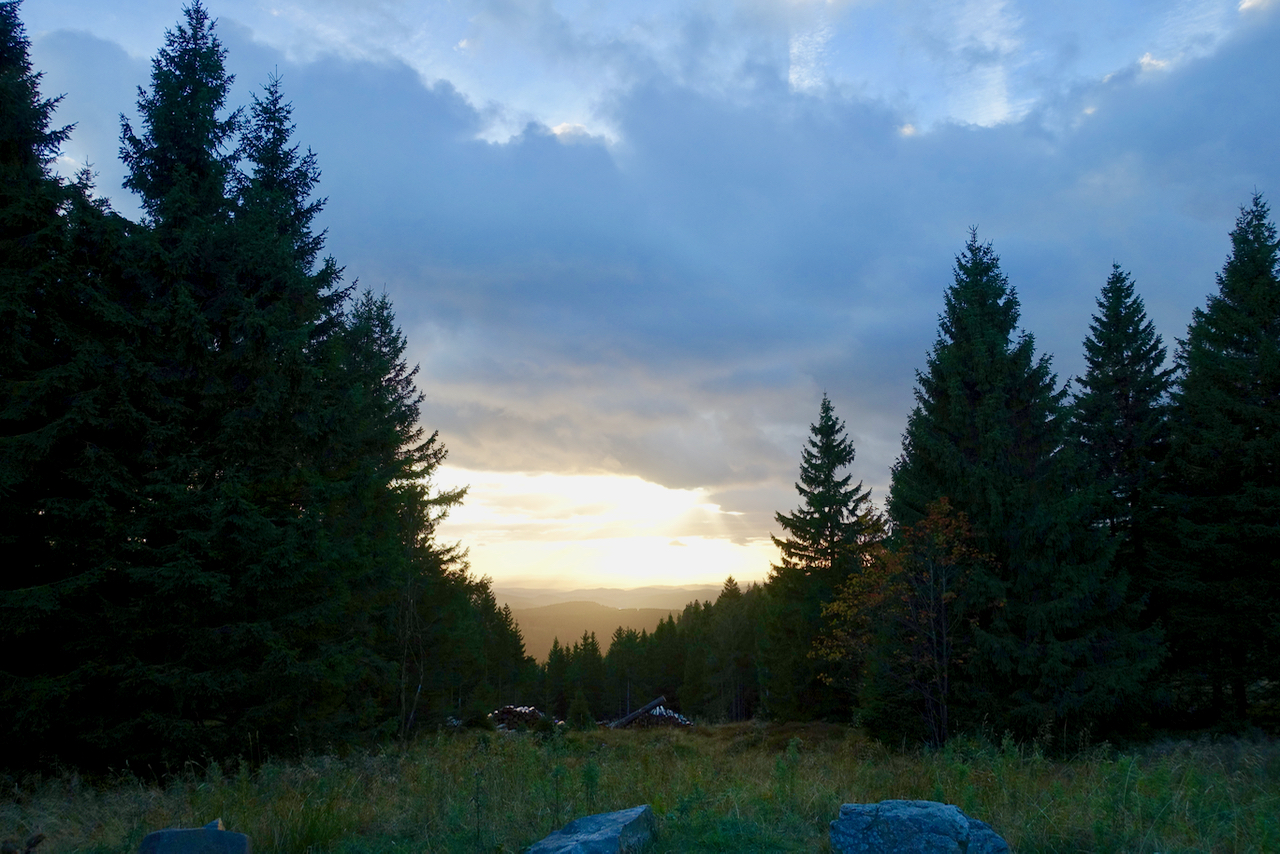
(595, 530)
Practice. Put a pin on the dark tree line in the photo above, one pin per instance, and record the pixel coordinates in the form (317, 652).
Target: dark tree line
(704, 660)
(214, 490)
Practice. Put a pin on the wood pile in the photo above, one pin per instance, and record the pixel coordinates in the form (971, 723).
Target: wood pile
(516, 717)
(658, 716)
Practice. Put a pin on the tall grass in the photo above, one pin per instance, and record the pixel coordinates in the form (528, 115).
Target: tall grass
(740, 787)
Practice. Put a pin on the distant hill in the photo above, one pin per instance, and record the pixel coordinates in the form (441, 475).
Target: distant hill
(568, 620)
(673, 598)
(545, 614)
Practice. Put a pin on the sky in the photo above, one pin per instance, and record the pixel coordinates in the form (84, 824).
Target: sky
(632, 244)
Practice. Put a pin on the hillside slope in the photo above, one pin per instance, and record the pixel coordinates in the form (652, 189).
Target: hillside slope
(654, 596)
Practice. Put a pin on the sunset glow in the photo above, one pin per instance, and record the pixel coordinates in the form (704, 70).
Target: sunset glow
(596, 530)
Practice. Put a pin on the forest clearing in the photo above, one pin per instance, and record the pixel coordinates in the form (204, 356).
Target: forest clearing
(730, 787)
(231, 597)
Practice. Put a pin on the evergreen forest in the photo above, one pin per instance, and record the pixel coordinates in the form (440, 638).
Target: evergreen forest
(220, 524)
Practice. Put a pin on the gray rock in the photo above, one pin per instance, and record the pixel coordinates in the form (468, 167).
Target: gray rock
(984, 840)
(618, 832)
(911, 827)
(210, 839)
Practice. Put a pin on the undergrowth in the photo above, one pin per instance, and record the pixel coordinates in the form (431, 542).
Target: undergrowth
(736, 787)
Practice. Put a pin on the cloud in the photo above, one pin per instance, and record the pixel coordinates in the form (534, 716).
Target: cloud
(670, 300)
(97, 80)
(806, 53)
(665, 303)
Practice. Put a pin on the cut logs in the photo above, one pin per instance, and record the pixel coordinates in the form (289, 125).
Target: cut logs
(516, 717)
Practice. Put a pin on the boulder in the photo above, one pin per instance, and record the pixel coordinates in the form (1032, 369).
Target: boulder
(911, 827)
(618, 832)
(210, 839)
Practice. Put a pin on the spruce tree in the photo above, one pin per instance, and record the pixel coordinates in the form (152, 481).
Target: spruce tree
(1224, 482)
(373, 467)
(286, 537)
(1051, 619)
(694, 633)
(33, 247)
(587, 671)
(224, 574)
(829, 532)
(667, 660)
(1120, 419)
(210, 453)
(555, 681)
(828, 537)
(732, 652)
(623, 665)
(68, 424)
(265, 405)
(183, 163)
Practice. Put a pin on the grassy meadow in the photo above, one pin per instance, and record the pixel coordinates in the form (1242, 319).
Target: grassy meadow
(735, 787)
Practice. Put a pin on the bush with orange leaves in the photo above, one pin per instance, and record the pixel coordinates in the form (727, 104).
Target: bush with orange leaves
(905, 610)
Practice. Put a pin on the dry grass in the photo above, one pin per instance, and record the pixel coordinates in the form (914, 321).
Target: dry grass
(739, 787)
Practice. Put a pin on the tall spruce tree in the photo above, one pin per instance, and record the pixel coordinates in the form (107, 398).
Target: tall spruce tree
(281, 525)
(1052, 634)
(34, 363)
(827, 539)
(223, 556)
(1222, 570)
(68, 423)
(33, 248)
(209, 452)
(555, 681)
(1120, 419)
(266, 404)
(33, 245)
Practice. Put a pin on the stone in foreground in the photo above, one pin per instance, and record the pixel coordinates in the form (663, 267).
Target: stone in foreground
(618, 832)
(210, 839)
(911, 827)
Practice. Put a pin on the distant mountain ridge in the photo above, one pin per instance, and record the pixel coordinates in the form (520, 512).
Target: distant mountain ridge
(544, 614)
(654, 596)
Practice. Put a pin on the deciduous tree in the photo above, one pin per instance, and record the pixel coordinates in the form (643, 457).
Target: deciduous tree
(902, 618)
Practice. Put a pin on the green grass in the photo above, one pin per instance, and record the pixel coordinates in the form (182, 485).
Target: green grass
(738, 787)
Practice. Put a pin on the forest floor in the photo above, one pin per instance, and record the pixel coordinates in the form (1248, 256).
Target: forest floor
(734, 787)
